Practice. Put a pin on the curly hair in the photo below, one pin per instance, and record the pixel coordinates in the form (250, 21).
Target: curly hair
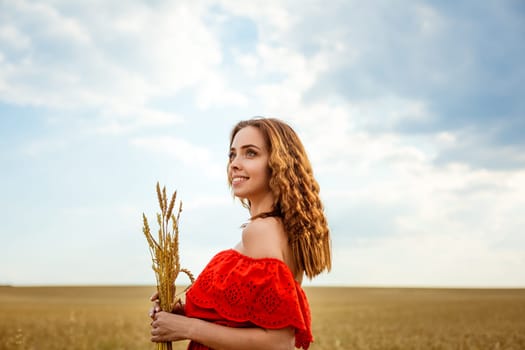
(296, 195)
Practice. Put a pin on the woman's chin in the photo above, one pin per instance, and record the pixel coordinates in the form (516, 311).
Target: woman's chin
(239, 195)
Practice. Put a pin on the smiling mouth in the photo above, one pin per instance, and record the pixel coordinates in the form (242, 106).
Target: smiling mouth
(238, 179)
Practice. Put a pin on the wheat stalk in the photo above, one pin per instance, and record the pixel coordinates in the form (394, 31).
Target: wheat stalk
(165, 253)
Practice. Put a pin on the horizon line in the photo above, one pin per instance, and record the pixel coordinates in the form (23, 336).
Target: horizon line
(349, 286)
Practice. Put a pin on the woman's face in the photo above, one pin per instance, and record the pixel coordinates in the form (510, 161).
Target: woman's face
(248, 170)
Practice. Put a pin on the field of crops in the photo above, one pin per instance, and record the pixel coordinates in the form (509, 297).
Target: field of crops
(43, 318)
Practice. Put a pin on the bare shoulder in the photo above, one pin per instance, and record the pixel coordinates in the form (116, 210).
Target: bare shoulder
(264, 238)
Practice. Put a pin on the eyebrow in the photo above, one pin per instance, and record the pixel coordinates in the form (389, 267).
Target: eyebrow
(247, 146)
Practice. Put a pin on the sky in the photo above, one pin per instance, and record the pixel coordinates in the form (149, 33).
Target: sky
(412, 114)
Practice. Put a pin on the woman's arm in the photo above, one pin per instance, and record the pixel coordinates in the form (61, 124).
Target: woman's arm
(171, 327)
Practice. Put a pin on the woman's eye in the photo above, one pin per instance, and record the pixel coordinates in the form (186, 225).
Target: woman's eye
(251, 153)
(231, 156)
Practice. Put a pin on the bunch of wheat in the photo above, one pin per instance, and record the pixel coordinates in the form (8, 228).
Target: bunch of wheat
(165, 253)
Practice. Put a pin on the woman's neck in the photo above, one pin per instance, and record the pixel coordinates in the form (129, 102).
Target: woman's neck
(262, 205)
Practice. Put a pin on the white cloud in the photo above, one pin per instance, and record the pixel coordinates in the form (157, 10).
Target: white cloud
(298, 74)
(214, 92)
(50, 22)
(174, 43)
(184, 151)
(454, 226)
(38, 147)
(127, 121)
(10, 36)
(118, 66)
(201, 202)
(433, 259)
(272, 18)
(248, 62)
(430, 20)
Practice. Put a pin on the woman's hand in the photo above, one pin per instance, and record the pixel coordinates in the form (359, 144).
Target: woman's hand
(156, 304)
(169, 327)
(177, 309)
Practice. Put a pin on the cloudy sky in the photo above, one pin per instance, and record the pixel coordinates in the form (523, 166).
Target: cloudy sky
(412, 112)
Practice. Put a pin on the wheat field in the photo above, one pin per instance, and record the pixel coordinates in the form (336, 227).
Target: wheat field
(343, 318)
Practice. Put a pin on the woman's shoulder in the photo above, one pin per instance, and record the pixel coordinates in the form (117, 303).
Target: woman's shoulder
(264, 238)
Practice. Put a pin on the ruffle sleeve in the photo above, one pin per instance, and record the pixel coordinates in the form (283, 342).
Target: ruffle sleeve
(242, 289)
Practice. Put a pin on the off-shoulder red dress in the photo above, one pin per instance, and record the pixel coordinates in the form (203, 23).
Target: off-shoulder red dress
(239, 291)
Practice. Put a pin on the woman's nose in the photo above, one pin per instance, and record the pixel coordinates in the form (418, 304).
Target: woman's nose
(234, 162)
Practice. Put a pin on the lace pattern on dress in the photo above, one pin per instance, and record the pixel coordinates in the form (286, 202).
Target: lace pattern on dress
(242, 289)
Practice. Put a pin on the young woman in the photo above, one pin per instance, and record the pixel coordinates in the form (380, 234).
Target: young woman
(250, 297)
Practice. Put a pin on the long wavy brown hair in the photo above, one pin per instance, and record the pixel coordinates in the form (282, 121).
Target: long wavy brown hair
(296, 195)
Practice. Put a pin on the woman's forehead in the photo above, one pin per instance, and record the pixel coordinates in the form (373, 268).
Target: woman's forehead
(249, 135)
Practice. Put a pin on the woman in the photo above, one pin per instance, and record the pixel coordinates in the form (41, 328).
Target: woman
(250, 297)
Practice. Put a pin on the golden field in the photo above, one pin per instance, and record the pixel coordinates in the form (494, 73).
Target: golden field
(343, 318)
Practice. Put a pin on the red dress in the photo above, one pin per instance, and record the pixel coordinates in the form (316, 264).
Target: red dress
(239, 291)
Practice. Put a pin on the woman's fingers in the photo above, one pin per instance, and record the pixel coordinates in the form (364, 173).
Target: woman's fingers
(156, 331)
(155, 334)
(152, 312)
(154, 296)
(178, 308)
(156, 306)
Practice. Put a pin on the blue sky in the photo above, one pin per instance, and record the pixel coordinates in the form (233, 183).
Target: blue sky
(412, 114)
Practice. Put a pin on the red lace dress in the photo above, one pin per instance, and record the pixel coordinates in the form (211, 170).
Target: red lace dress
(239, 291)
